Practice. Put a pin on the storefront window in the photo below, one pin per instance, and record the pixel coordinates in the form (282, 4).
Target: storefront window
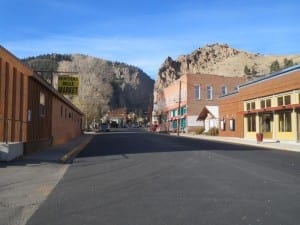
(266, 122)
(285, 122)
(251, 122)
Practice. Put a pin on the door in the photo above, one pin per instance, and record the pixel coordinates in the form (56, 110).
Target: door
(267, 125)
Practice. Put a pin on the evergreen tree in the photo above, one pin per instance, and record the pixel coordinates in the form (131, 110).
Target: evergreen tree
(288, 62)
(247, 71)
(274, 66)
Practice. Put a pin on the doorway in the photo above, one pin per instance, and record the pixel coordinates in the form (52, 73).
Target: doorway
(267, 125)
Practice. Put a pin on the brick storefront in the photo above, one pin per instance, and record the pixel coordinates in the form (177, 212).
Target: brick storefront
(197, 91)
(269, 105)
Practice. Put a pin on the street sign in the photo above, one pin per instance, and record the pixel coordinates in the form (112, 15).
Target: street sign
(68, 85)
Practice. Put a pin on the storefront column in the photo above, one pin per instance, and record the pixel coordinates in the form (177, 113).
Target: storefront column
(258, 123)
(275, 120)
(295, 124)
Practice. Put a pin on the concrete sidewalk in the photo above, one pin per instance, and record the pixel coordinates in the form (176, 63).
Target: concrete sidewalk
(26, 182)
(282, 145)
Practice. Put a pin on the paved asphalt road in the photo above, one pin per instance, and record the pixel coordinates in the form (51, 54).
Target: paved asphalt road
(139, 178)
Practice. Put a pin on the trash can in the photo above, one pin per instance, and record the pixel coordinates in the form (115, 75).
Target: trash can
(259, 137)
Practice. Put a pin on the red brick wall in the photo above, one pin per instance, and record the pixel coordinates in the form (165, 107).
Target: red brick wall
(20, 92)
(204, 80)
(66, 123)
(231, 107)
(13, 98)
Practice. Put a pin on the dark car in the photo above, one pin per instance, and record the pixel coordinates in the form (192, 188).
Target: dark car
(104, 127)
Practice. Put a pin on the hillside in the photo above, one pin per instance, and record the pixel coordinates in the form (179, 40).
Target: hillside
(103, 85)
(218, 59)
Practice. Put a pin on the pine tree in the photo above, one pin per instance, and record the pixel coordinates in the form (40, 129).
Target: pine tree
(247, 71)
(274, 66)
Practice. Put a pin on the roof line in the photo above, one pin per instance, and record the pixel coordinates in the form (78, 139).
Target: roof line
(271, 75)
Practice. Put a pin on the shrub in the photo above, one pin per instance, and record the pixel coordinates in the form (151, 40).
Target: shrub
(199, 130)
(213, 131)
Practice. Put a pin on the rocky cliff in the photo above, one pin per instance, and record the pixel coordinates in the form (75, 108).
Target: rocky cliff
(218, 59)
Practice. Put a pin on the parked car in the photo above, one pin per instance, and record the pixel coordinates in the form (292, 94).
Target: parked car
(104, 127)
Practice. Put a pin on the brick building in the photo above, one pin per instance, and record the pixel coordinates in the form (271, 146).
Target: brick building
(196, 91)
(269, 105)
(32, 113)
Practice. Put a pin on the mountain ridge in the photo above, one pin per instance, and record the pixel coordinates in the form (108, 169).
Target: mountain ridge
(103, 85)
(219, 59)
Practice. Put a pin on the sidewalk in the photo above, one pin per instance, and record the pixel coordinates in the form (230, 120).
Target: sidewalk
(282, 145)
(26, 182)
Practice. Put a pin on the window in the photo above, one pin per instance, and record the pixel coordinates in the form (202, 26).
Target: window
(209, 92)
(173, 113)
(42, 104)
(182, 110)
(287, 100)
(280, 101)
(197, 93)
(251, 122)
(248, 107)
(223, 90)
(268, 103)
(284, 100)
(265, 103)
(285, 122)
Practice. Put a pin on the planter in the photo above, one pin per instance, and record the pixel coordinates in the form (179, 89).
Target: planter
(259, 137)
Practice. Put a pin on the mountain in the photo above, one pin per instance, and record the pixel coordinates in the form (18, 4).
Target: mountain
(103, 85)
(220, 59)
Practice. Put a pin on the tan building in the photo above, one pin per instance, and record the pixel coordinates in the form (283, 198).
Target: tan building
(269, 105)
(32, 113)
(196, 92)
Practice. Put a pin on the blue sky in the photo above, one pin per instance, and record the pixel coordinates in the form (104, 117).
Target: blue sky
(144, 33)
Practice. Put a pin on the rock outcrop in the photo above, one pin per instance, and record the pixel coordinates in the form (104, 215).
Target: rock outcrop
(218, 59)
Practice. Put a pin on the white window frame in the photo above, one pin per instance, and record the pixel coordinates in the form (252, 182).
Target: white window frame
(209, 92)
(198, 97)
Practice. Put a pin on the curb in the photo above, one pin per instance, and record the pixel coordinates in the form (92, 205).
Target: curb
(74, 151)
(264, 145)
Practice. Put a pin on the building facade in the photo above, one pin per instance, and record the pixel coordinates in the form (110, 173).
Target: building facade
(268, 106)
(31, 111)
(177, 107)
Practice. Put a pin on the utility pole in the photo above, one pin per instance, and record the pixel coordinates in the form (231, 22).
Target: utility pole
(179, 100)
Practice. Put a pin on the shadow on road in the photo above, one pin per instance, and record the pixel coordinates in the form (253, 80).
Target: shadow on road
(121, 143)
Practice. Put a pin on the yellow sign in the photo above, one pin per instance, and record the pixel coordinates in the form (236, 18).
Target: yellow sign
(68, 85)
